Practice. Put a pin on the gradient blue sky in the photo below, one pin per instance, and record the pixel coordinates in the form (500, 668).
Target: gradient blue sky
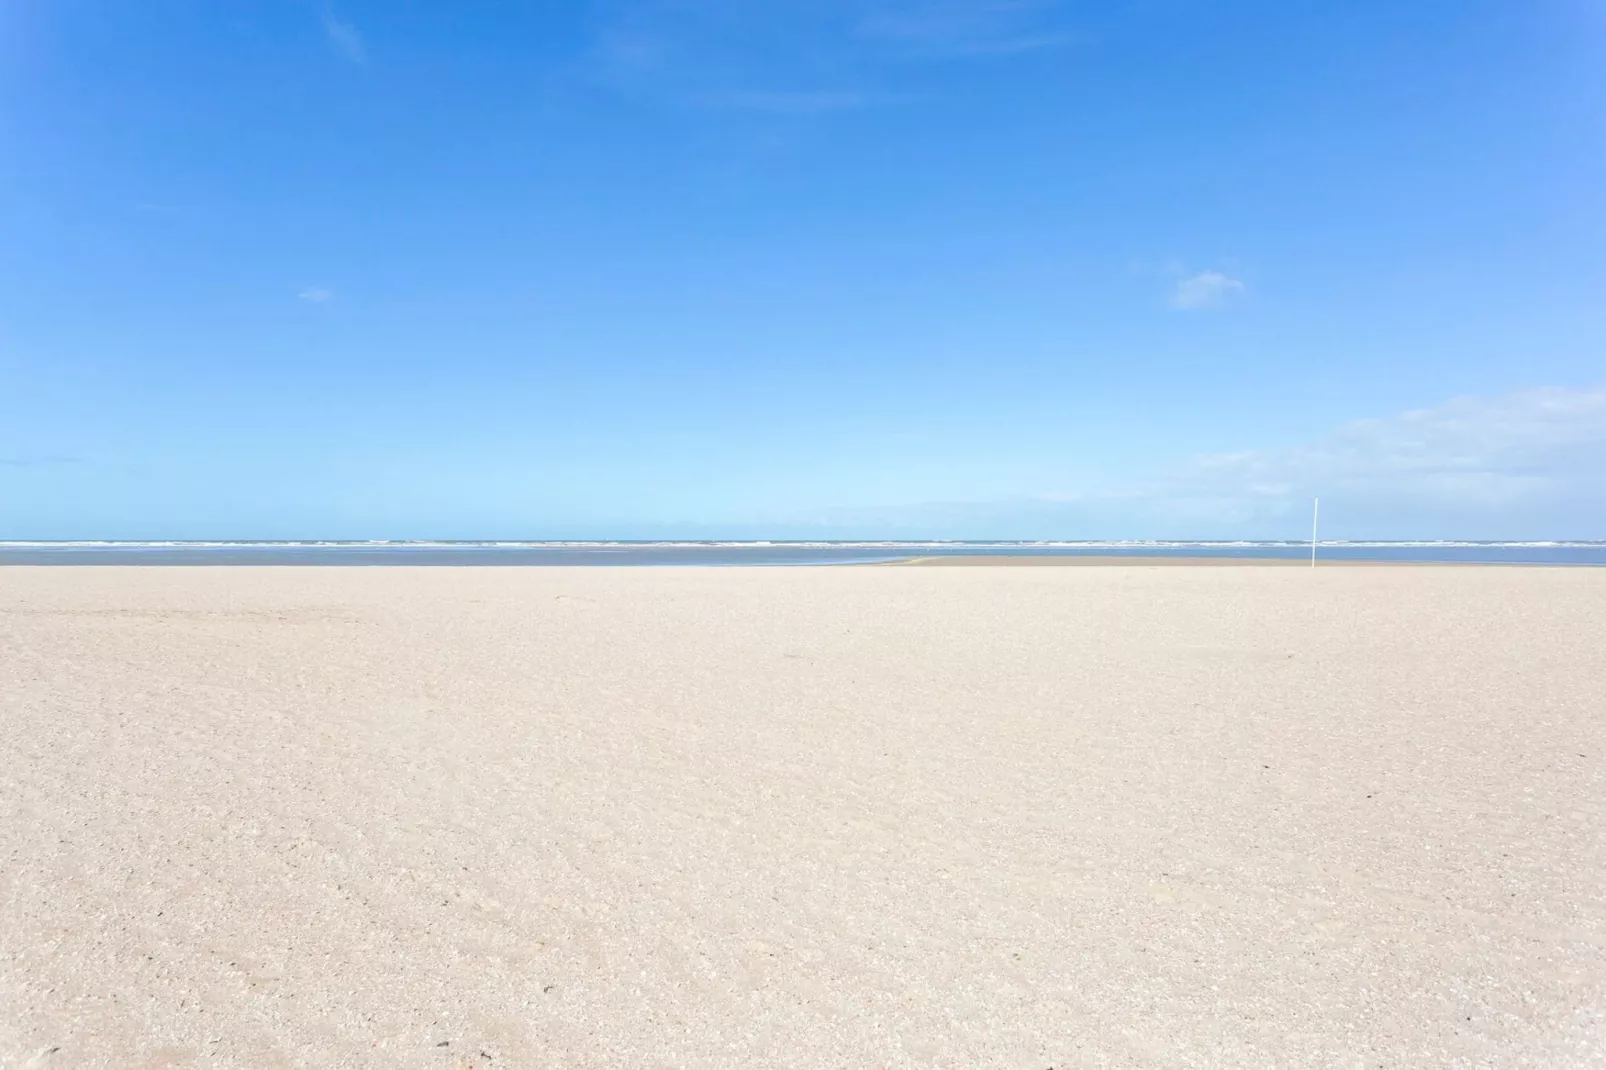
(834, 268)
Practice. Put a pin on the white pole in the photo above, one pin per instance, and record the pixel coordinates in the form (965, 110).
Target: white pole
(1315, 511)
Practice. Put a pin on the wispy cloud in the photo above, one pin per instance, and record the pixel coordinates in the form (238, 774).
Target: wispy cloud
(943, 29)
(38, 461)
(1204, 290)
(1469, 450)
(344, 38)
(803, 102)
(1528, 464)
(800, 57)
(317, 295)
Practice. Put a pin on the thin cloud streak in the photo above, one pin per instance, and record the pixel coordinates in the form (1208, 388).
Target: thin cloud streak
(1206, 290)
(38, 462)
(801, 102)
(1011, 46)
(345, 38)
(728, 56)
(953, 29)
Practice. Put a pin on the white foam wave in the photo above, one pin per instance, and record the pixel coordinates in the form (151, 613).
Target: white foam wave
(765, 544)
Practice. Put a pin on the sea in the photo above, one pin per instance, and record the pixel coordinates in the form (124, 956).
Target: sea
(717, 553)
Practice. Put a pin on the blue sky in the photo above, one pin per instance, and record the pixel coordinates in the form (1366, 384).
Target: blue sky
(805, 268)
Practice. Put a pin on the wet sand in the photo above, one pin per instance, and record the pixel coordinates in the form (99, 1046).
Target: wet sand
(1126, 561)
(847, 817)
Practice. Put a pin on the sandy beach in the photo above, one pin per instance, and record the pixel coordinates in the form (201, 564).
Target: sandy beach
(813, 817)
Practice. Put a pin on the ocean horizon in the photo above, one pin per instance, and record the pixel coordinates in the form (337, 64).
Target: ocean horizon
(771, 552)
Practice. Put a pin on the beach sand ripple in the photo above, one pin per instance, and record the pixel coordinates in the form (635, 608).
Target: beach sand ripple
(844, 817)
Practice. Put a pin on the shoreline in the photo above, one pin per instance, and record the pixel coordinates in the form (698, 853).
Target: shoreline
(1106, 560)
(809, 554)
(981, 560)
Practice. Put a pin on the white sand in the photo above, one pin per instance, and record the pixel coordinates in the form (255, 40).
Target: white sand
(970, 817)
